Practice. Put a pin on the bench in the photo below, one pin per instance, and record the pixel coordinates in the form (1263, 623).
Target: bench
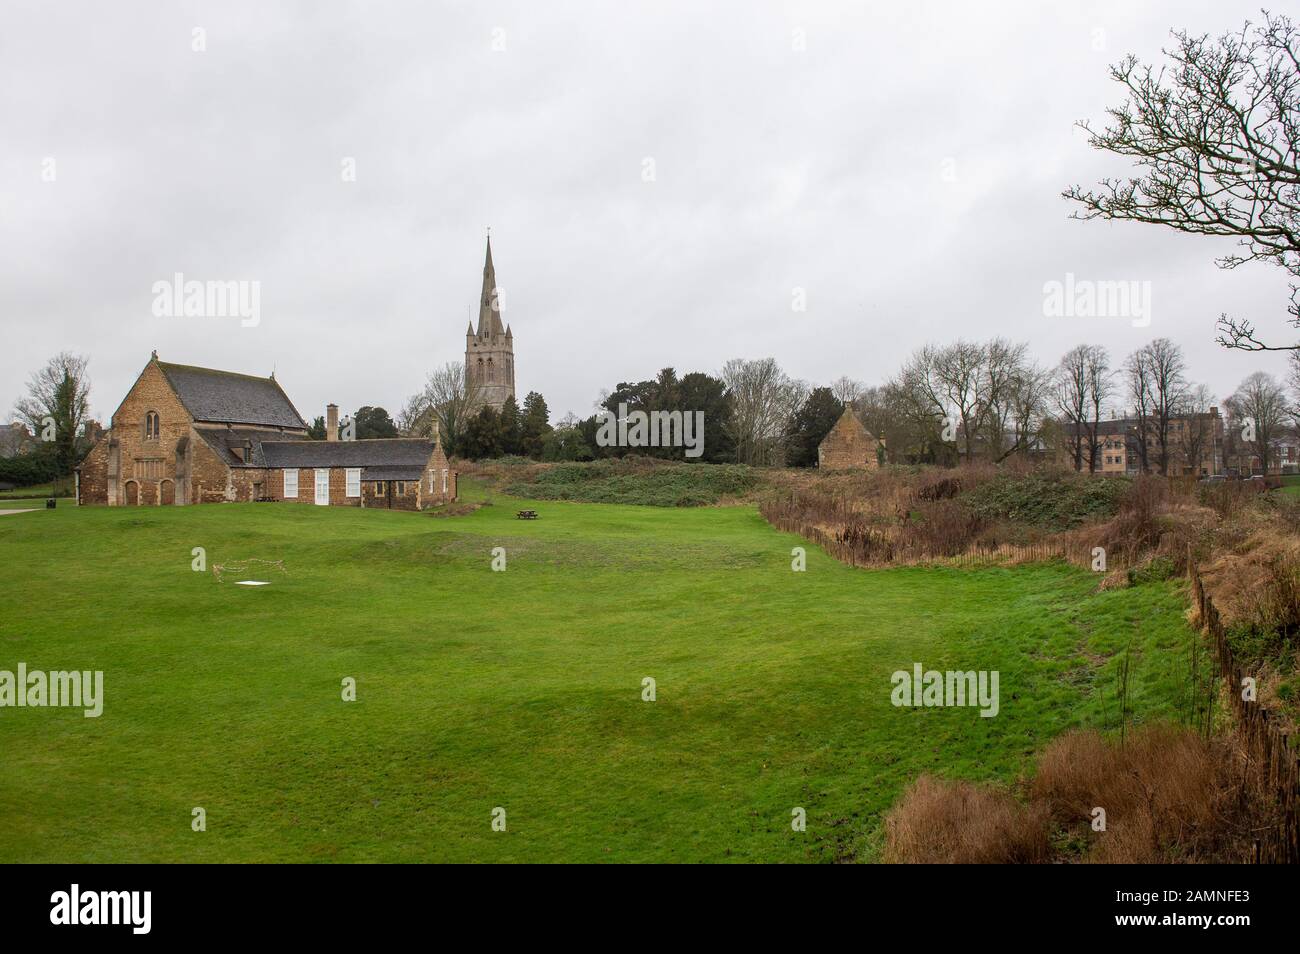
(526, 515)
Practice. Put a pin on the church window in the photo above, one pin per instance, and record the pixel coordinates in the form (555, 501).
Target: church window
(151, 426)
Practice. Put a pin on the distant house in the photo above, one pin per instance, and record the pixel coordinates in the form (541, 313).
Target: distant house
(14, 439)
(848, 446)
(187, 435)
(1196, 445)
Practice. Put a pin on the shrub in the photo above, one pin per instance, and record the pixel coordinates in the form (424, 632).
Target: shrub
(637, 480)
(1169, 795)
(941, 822)
(1051, 500)
(942, 528)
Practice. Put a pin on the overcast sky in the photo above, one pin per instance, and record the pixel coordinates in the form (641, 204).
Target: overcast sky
(903, 168)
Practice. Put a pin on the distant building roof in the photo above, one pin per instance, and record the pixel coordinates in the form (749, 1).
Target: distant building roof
(404, 452)
(13, 438)
(226, 397)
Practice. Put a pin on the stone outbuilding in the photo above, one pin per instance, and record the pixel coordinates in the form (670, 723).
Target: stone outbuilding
(849, 445)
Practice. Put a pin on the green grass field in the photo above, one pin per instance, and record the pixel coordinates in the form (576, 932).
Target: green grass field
(521, 689)
(36, 492)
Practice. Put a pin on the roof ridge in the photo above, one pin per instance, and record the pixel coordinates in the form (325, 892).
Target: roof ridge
(195, 367)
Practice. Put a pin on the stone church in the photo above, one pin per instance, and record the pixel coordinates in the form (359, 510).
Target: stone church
(490, 351)
(186, 435)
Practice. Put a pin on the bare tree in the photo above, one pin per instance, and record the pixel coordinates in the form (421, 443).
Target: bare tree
(763, 398)
(1294, 380)
(1137, 377)
(57, 406)
(1016, 395)
(847, 390)
(1260, 408)
(1083, 386)
(1197, 428)
(1216, 140)
(1157, 383)
(448, 398)
(1028, 401)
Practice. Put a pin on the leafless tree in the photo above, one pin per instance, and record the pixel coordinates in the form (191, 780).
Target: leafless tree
(1157, 380)
(989, 390)
(1215, 137)
(1294, 380)
(1137, 377)
(847, 390)
(447, 398)
(1197, 428)
(1016, 398)
(1084, 383)
(1029, 401)
(763, 398)
(1259, 408)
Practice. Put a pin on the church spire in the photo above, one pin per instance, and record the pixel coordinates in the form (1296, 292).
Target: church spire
(489, 309)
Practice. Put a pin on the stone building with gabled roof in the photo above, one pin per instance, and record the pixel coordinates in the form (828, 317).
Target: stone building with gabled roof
(189, 435)
(848, 445)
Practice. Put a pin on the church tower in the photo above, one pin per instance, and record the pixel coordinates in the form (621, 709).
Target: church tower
(490, 351)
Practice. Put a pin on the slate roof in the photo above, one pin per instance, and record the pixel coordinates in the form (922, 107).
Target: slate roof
(227, 442)
(410, 453)
(229, 398)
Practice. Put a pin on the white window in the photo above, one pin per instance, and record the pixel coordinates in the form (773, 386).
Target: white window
(290, 484)
(353, 488)
(444, 481)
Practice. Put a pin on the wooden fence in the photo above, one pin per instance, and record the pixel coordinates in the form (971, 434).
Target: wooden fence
(1265, 743)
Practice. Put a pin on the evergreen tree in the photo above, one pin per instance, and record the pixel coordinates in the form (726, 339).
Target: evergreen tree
(317, 430)
(512, 429)
(482, 437)
(372, 422)
(810, 425)
(536, 425)
(565, 443)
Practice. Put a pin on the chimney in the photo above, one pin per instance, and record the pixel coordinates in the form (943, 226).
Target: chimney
(331, 422)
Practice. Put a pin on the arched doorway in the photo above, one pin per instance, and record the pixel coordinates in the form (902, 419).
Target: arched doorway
(167, 493)
(132, 494)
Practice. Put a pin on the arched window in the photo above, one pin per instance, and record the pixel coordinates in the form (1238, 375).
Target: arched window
(492, 374)
(151, 426)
